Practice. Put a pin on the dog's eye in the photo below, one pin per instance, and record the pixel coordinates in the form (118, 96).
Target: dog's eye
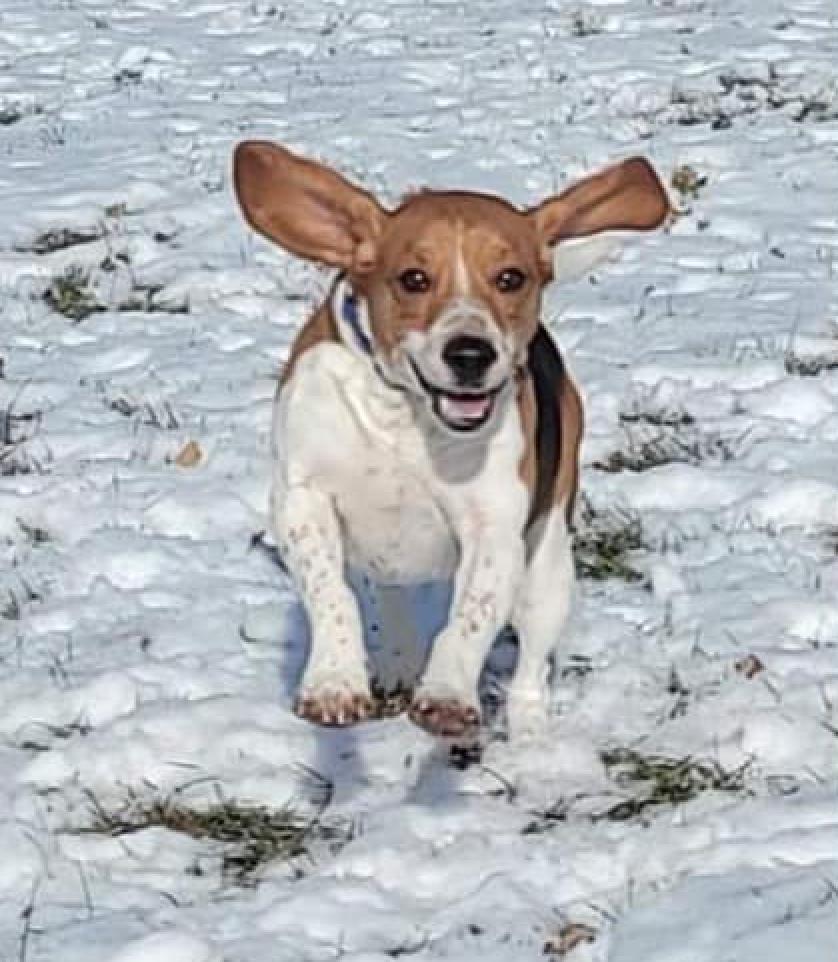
(414, 280)
(510, 279)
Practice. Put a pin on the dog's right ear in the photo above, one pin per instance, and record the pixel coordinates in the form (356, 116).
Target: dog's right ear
(307, 208)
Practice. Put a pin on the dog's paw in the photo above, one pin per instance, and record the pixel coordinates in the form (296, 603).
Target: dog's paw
(449, 717)
(335, 706)
(527, 714)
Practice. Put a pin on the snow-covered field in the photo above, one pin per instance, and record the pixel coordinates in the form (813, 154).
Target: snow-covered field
(149, 644)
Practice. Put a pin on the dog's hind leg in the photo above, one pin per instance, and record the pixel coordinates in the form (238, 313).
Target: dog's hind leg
(538, 617)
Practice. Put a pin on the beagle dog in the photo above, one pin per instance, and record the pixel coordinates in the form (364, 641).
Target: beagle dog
(426, 427)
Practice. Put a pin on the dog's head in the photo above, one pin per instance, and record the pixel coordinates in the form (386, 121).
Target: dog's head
(452, 281)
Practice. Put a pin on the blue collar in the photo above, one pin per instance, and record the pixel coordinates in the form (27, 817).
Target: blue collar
(350, 312)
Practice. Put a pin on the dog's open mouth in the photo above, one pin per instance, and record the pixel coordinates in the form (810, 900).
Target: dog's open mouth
(463, 412)
(459, 410)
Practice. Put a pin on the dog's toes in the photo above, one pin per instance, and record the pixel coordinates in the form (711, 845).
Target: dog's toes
(448, 717)
(334, 708)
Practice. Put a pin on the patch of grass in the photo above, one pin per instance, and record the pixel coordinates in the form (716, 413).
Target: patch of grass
(646, 783)
(156, 415)
(72, 295)
(60, 238)
(33, 533)
(568, 937)
(16, 431)
(577, 666)
(250, 836)
(604, 542)
(548, 818)
(810, 365)
(741, 96)
(585, 22)
(12, 608)
(55, 733)
(10, 114)
(389, 704)
(657, 780)
(671, 417)
(146, 298)
(657, 433)
(687, 182)
(644, 450)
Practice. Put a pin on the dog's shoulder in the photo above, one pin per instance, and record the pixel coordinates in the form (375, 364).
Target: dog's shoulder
(319, 329)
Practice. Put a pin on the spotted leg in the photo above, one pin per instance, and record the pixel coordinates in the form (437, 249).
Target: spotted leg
(334, 689)
(491, 565)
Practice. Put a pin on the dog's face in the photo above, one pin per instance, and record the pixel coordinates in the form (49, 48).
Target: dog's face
(454, 301)
(452, 281)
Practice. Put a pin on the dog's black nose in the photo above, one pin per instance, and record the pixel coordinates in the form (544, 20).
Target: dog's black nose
(469, 358)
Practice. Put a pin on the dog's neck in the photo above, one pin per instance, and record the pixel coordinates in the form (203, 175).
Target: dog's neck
(352, 319)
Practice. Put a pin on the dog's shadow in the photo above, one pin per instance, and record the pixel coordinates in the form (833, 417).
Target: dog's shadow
(394, 672)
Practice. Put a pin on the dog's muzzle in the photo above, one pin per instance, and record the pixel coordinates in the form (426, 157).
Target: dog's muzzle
(460, 411)
(460, 365)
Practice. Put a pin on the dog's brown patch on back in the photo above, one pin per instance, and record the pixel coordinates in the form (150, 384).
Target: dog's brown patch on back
(528, 466)
(318, 329)
(552, 421)
(572, 414)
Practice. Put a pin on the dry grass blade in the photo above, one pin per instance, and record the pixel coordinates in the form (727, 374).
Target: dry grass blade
(568, 938)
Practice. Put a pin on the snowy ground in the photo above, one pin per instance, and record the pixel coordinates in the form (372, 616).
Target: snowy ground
(148, 649)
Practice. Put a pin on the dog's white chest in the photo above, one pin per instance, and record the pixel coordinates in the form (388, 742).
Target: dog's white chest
(395, 529)
(338, 428)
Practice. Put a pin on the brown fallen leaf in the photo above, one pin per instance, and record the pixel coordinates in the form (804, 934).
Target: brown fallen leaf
(749, 666)
(568, 937)
(189, 455)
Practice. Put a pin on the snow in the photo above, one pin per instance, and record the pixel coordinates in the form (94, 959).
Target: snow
(149, 646)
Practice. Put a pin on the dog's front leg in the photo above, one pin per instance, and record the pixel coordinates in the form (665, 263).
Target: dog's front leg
(490, 570)
(334, 689)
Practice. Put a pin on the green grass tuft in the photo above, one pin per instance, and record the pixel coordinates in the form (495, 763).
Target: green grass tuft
(71, 294)
(687, 182)
(250, 836)
(604, 543)
(812, 365)
(657, 780)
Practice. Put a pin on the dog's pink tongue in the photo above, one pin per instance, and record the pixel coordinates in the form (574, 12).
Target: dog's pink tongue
(465, 408)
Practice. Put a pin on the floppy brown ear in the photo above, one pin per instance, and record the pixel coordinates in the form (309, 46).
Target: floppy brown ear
(305, 207)
(627, 196)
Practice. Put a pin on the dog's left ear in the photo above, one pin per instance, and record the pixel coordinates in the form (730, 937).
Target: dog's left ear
(575, 226)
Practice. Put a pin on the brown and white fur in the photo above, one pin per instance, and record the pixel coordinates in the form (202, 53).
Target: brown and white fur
(425, 427)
